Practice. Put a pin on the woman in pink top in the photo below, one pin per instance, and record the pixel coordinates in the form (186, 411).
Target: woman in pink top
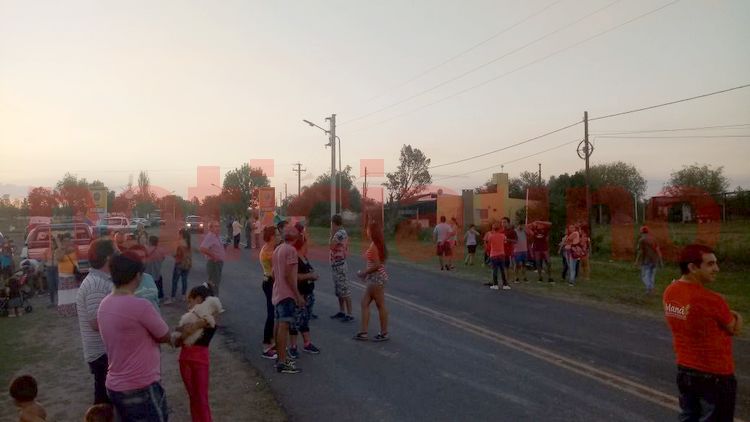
(132, 329)
(571, 248)
(375, 278)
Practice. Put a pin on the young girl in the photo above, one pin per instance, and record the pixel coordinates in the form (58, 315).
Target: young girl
(470, 239)
(194, 359)
(375, 278)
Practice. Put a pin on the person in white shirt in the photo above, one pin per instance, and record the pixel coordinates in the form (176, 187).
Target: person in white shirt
(470, 239)
(441, 235)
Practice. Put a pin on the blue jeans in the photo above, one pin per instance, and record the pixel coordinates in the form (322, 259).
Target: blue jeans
(178, 274)
(52, 279)
(498, 263)
(148, 404)
(648, 274)
(572, 267)
(706, 397)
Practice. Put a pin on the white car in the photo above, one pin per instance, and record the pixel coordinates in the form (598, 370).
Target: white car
(114, 224)
(139, 220)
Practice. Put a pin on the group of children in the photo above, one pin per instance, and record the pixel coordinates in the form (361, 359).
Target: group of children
(24, 390)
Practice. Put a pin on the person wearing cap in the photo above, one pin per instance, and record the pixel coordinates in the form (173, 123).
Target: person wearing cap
(648, 256)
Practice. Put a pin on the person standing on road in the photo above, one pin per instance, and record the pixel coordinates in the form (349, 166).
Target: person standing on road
(470, 239)
(183, 262)
(285, 296)
(94, 288)
(375, 278)
(520, 252)
(236, 231)
(132, 330)
(248, 232)
(496, 244)
(339, 246)
(702, 327)
(306, 277)
(510, 243)
(441, 235)
(256, 232)
(585, 252)
(570, 247)
(648, 256)
(154, 260)
(540, 248)
(266, 262)
(214, 252)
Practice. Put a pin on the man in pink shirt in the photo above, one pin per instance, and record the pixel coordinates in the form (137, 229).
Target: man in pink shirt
(215, 253)
(285, 296)
(132, 330)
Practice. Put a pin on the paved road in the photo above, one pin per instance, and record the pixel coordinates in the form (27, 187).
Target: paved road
(462, 352)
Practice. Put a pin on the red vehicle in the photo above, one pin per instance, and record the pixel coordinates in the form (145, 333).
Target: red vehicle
(40, 239)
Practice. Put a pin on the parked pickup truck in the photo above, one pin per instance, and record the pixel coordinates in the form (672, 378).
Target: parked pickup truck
(116, 224)
(40, 239)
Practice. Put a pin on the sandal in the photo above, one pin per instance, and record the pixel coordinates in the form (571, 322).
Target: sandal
(381, 337)
(362, 336)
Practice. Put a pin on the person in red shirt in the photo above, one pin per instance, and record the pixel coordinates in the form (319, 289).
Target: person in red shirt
(702, 326)
(496, 246)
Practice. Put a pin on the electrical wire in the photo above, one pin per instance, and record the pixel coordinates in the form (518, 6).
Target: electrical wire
(509, 146)
(483, 65)
(473, 47)
(612, 137)
(669, 103)
(627, 132)
(463, 91)
(510, 161)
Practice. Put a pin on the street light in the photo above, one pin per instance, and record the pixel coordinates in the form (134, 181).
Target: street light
(332, 143)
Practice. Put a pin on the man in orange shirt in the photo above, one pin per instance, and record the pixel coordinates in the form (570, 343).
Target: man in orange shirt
(496, 246)
(702, 326)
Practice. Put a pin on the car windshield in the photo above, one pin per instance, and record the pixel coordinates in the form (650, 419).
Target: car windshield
(112, 221)
(194, 220)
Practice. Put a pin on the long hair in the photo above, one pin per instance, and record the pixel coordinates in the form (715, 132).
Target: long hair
(376, 235)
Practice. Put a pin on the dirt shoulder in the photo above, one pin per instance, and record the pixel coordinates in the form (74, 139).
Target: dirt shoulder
(49, 348)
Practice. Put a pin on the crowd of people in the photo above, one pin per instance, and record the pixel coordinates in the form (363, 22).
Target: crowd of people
(511, 249)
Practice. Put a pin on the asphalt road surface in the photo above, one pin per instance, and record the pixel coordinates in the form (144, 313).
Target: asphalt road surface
(459, 351)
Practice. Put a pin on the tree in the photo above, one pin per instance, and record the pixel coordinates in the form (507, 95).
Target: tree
(239, 189)
(314, 200)
(517, 186)
(42, 202)
(144, 187)
(73, 195)
(619, 174)
(411, 177)
(702, 177)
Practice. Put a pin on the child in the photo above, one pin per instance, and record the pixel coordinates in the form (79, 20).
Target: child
(23, 390)
(206, 310)
(14, 297)
(100, 413)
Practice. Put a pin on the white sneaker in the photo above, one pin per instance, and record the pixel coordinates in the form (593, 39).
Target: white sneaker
(506, 287)
(495, 287)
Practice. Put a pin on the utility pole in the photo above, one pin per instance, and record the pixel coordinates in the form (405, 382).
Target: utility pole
(299, 171)
(341, 197)
(364, 185)
(585, 149)
(285, 192)
(332, 144)
(540, 174)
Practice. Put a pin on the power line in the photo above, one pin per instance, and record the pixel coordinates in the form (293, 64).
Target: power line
(481, 66)
(670, 102)
(511, 161)
(612, 137)
(463, 91)
(508, 147)
(626, 132)
(473, 47)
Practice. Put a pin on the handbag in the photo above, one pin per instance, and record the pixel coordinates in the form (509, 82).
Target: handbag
(76, 272)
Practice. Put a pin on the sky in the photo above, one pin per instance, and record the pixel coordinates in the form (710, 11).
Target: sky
(105, 89)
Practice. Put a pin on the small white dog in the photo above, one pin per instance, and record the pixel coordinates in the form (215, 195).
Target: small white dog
(206, 310)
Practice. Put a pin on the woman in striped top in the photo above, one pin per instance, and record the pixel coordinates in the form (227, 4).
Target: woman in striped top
(375, 277)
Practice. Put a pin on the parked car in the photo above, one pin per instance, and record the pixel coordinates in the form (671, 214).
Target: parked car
(138, 220)
(194, 223)
(114, 224)
(39, 240)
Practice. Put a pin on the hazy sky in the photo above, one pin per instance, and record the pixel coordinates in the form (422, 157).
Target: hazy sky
(105, 89)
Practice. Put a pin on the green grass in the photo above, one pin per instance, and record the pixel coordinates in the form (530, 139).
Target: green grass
(613, 282)
(13, 352)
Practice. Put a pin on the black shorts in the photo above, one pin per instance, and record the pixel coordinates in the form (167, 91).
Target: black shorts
(471, 248)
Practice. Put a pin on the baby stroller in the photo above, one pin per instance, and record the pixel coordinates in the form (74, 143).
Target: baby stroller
(13, 298)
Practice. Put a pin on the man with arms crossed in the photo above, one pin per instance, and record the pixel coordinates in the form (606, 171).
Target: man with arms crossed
(96, 285)
(702, 328)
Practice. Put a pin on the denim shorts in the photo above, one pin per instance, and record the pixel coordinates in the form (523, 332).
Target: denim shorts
(148, 404)
(286, 310)
(519, 257)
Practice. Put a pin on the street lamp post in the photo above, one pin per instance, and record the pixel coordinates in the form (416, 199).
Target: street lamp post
(331, 132)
